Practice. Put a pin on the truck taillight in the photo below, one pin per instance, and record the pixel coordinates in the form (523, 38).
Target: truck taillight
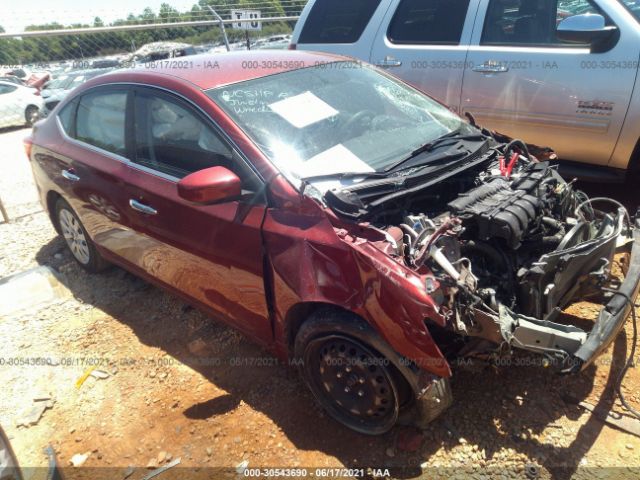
(28, 143)
(292, 46)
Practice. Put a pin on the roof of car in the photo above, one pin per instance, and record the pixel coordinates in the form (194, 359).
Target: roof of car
(155, 47)
(213, 70)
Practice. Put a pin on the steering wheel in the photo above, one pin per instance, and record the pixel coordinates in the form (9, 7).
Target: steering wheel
(357, 120)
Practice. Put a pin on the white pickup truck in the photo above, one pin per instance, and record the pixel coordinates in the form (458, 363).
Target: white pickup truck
(553, 72)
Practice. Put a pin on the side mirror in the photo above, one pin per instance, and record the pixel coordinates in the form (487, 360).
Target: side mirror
(586, 28)
(210, 185)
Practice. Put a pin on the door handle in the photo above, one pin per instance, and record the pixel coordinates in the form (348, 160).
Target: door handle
(141, 207)
(491, 67)
(69, 175)
(389, 61)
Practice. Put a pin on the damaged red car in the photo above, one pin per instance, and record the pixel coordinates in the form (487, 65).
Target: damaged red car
(337, 216)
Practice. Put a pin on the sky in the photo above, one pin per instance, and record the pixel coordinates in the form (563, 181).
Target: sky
(17, 14)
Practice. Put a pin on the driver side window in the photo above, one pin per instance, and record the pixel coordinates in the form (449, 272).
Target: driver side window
(172, 139)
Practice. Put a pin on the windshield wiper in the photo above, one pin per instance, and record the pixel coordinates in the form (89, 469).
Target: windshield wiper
(451, 137)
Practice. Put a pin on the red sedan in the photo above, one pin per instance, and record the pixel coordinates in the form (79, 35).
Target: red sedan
(341, 218)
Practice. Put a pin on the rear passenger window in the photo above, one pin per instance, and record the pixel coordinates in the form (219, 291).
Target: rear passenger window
(530, 22)
(428, 22)
(100, 120)
(67, 115)
(337, 21)
(172, 139)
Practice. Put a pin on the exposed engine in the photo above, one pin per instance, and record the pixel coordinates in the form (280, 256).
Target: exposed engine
(505, 250)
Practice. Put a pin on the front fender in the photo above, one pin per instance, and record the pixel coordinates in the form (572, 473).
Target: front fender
(309, 262)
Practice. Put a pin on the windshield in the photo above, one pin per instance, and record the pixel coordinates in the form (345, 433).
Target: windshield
(334, 118)
(633, 6)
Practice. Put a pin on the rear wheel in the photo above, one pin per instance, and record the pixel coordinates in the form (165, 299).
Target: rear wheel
(77, 239)
(354, 383)
(31, 115)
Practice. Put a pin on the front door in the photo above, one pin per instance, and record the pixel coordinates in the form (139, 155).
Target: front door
(523, 81)
(211, 253)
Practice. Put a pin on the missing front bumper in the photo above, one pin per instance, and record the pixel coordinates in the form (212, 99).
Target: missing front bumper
(613, 315)
(569, 348)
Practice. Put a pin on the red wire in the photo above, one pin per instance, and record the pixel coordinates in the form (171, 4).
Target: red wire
(506, 169)
(512, 163)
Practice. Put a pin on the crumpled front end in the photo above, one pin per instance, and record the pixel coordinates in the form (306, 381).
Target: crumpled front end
(503, 245)
(564, 276)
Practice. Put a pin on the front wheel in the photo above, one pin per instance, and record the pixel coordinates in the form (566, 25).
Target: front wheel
(31, 115)
(77, 239)
(356, 385)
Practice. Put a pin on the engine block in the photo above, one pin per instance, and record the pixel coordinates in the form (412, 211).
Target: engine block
(501, 208)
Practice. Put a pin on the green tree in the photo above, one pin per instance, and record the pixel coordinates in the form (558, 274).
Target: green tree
(148, 16)
(168, 13)
(78, 47)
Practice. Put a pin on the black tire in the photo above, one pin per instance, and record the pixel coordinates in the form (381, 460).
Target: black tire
(350, 379)
(31, 115)
(89, 258)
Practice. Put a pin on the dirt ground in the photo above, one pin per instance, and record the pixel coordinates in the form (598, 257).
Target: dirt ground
(180, 385)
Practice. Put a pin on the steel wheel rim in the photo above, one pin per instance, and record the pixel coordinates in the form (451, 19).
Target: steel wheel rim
(74, 236)
(353, 383)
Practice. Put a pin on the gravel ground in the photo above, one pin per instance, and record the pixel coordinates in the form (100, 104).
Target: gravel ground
(179, 384)
(30, 228)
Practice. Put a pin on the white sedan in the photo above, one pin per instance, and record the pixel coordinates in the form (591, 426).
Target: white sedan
(19, 105)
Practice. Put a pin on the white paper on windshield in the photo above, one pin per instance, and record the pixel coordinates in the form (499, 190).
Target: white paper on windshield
(303, 110)
(336, 159)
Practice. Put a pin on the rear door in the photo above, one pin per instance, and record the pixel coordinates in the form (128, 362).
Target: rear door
(523, 81)
(425, 43)
(210, 253)
(89, 165)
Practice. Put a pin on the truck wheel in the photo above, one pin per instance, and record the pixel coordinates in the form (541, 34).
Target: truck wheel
(31, 115)
(355, 384)
(77, 239)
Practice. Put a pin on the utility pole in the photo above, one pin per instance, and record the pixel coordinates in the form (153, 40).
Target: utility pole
(224, 32)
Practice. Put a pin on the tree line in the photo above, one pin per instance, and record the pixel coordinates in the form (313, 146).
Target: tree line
(29, 50)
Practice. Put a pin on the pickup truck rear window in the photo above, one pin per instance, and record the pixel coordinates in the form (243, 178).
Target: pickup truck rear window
(428, 22)
(337, 21)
